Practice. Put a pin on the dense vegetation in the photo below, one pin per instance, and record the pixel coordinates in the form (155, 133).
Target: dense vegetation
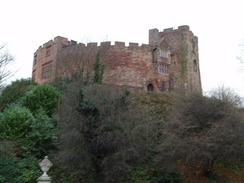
(27, 129)
(112, 135)
(101, 133)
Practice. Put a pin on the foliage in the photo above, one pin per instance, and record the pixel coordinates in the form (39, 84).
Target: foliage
(226, 95)
(5, 60)
(13, 92)
(15, 170)
(144, 175)
(27, 130)
(106, 131)
(107, 134)
(43, 97)
(87, 107)
(61, 83)
(34, 135)
(42, 136)
(201, 132)
(140, 176)
(15, 123)
(73, 159)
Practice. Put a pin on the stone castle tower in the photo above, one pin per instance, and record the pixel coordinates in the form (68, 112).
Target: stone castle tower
(168, 62)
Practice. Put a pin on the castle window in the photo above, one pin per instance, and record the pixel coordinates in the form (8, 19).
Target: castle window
(150, 87)
(48, 51)
(35, 59)
(164, 53)
(154, 53)
(194, 65)
(173, 58)
(46, 71)
(34, 75)
(162, 68)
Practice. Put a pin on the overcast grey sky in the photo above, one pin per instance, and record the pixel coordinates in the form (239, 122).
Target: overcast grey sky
(26, 24)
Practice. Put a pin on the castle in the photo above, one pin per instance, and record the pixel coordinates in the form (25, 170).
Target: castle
(169, 61)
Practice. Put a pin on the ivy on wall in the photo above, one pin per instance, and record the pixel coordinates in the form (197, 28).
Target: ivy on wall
(183, 56)
(98, 69)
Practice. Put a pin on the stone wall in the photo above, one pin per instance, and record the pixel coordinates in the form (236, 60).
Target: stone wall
(169, 61)
(123, 65)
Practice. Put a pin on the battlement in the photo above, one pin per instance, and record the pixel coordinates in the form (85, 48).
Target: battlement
(91, 45)
(171, 29)
(155, 36)
(180, 28)
(152, 32)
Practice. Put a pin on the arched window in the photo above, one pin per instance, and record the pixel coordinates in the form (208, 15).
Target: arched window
(195, 65)
(150, 87)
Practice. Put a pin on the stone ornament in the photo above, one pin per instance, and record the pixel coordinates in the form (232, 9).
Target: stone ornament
(45, 165)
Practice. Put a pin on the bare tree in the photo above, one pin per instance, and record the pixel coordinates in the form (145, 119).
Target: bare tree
(5, 60)
(240, 56)
(226, 95)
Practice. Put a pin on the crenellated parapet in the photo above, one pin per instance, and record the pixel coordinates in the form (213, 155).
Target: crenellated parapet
(155, 35)
(92, 45)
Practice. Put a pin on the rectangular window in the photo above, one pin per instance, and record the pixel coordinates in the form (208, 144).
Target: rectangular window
(34, 75)
(163, 68)
(48, 51)
(164, 53)
(46, 71)
(35, 59)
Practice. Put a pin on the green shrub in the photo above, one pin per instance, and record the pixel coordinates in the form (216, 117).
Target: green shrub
(140, 176)
(13, 92)
(27, 130)
(8, 169)
(42, 97)
(15, 123)
(166, 177)
(61, 83)
(14, 170)
(87, 108)
(34, 135)
(144, 175)
(40, 140)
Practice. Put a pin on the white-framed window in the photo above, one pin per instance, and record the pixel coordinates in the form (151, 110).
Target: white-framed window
(164, 53)
(163, 69)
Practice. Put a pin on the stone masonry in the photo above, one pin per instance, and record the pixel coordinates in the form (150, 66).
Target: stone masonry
(168, 62)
